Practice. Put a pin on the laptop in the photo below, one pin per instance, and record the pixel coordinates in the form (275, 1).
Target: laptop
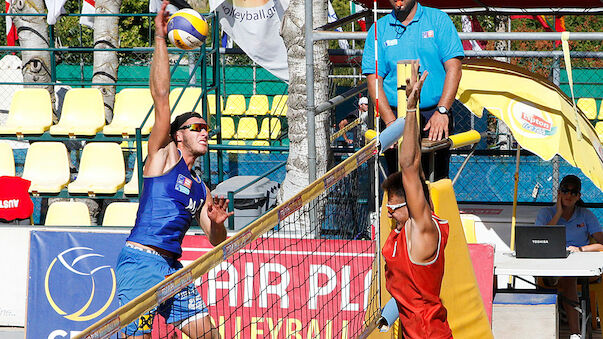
(540, 241)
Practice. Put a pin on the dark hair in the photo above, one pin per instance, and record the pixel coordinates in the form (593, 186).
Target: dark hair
(181, 119)
(574, 181)
(393, 186)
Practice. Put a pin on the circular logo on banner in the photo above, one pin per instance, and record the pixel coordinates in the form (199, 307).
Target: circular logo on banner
(63, 283)
(530, 121)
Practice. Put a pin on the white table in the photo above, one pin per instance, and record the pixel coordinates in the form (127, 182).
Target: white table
(577, 264)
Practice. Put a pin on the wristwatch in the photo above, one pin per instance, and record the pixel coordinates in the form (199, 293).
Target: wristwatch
(443, 110)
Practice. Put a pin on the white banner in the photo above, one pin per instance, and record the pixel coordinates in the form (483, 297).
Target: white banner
(255, 25)
(55, 9)
(88, 8)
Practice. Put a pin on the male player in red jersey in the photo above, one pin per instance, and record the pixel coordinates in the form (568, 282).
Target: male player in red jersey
(414, 250)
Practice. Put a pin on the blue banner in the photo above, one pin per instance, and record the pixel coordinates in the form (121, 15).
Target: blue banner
(72, 281)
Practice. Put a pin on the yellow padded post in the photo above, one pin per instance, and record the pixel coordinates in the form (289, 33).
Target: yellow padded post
(465, 138)
(247, 128)
(67, 213)
(83, 113)
(279, 105)
(235, 105)
(120, 214)
(271, 128)
(47, 167)
(30, 112)
(589, 107)
(468, 222)
(460, 293)
(258, 105)
(7, 160)
(102, 169)
(131, 107)
(599, 130)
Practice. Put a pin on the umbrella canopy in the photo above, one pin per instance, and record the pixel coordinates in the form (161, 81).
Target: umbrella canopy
(540, 116)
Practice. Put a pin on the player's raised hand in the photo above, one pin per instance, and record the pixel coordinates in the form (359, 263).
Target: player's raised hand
(217, 210)
(161, 20)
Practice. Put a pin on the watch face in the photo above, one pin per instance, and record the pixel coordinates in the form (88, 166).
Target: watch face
(442, 110)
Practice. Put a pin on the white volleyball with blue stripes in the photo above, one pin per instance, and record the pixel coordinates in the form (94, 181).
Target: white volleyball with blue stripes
(187, 29)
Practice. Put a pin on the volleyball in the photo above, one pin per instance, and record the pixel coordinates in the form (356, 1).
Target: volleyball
(187, 29)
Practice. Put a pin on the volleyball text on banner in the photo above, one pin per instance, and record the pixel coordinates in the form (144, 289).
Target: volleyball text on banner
(11, 30)
(254, 26)
(88, 8)
(55, 9)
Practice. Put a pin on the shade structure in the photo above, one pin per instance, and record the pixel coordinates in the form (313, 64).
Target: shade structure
(587, 5)
(540, 116)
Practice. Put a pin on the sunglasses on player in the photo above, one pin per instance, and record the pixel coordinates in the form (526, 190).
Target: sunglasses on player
(392, 208)
(567, 190)
(196, 127)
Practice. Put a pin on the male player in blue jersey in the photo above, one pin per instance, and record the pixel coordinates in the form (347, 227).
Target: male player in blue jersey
(171, 196)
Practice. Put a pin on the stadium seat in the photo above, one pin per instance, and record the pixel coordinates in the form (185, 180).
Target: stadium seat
(7, 160)
(131, 107)
(235, 105)
(260, 143)
(67, 213)
(600, 117)
(237, 143)
(131, 188)
(589, 107)
(270, 132)
(187, 101)
(120, 214)
(227, 127)
(279, 105)
(211, 104)
(102, 169)
(247, 128)
(599, 129)
(47, 167)
(258, 105)
(30, 112)
(83, 113)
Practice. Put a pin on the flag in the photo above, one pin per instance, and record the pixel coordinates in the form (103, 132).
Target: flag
(226, 40)
(87, 8)
(55, 9)
(559, 23)
(355, 8)
(343, 44)
(255, 25)
(11, 30)
(470, 24)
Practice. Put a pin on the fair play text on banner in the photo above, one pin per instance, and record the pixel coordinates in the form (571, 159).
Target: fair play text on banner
(254, 25)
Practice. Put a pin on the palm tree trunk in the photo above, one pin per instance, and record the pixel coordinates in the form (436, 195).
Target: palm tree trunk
(106, 64)
(293, 35)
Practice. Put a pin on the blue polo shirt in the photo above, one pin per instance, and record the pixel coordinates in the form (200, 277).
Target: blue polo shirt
(582, 224)
(430, 37)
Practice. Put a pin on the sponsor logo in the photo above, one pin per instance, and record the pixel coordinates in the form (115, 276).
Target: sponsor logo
(166, 291)
(392, 42)
(145, 323)
(540, 241)
(428, 34)
(487, 211)
(193, 207)
(366, 155)
(289, 208)
(530, 121)
(83, 271)
(9, 203)
(183, 184)
(236, 243)
(105, 330)
(334, 177)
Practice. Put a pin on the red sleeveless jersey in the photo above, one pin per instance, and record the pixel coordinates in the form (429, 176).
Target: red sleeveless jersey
(416, 287)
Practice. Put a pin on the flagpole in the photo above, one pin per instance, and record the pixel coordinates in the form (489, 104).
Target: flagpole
(376, 174)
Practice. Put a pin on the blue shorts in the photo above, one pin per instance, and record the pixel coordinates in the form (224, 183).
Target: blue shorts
(137, 272)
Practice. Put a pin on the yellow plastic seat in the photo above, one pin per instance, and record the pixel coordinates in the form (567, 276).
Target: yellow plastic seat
(211, 104)
(279, 105)
(120, 214)
(600, 117)
(131, 188)
(271, 131)
(67, 213)
(83, 113)
(258, 105)
(589, 107)
(260, 143)
(7, 160)
(237, 143)
(235, 105)
(247, 128)
(131, 107)
(47, 167)
(102, 169)
(599, 129)
(187, 101)
(30, 112)
(227, 127)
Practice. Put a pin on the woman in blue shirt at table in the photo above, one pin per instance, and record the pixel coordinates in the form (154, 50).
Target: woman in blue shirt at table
(580, 224)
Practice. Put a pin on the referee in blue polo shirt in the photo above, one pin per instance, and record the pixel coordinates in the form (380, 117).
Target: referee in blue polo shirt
(413, 32)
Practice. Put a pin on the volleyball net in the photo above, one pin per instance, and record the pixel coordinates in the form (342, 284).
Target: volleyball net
(305, 269)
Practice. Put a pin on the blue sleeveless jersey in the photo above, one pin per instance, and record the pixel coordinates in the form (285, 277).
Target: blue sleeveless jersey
(166, 208)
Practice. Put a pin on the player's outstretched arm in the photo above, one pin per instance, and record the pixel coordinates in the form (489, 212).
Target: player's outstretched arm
(423, 235)
(160, 86)
(212, 216)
